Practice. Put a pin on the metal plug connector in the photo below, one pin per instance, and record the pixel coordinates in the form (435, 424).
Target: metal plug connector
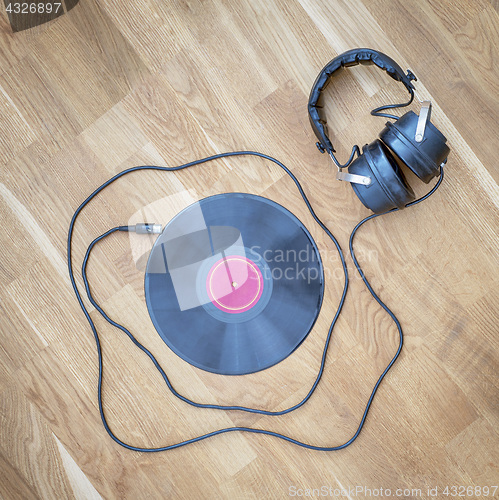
(146, 228)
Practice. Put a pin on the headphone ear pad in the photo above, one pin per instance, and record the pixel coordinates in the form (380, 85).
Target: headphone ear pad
(388, 188)
(423, 158)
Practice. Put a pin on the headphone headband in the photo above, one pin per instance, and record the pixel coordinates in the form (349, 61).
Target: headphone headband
(350, 58)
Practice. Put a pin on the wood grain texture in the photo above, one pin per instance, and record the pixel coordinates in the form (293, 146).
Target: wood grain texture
(111, 85)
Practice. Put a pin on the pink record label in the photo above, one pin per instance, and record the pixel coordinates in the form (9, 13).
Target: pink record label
(234, 284)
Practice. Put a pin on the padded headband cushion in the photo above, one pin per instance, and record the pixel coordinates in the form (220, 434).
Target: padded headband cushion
(350, 58)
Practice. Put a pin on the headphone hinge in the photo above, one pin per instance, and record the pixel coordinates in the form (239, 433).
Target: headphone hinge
(348, 177)
(353, 178)
(424, 117)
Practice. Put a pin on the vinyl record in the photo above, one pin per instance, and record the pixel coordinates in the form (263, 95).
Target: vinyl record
(234, 283)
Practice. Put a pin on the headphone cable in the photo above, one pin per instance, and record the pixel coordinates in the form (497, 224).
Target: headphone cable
(155, 362)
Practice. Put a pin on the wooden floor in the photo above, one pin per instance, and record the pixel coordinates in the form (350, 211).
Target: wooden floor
(111, 85)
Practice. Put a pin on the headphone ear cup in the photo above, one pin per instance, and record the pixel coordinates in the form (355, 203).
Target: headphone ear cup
(388, 188)
(423, 158)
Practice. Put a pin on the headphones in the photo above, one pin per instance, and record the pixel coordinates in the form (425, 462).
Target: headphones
(412, 140)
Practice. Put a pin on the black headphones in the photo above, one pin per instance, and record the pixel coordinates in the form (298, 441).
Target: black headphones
(412, 140)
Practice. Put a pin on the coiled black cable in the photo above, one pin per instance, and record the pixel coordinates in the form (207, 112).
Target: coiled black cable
(155, 362)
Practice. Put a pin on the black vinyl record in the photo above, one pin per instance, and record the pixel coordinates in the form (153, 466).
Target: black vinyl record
(234, 283)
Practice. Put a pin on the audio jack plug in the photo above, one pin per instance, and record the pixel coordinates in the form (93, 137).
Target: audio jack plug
(144, 228)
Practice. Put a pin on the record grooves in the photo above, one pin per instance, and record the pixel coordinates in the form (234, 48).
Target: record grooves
(234, 283)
